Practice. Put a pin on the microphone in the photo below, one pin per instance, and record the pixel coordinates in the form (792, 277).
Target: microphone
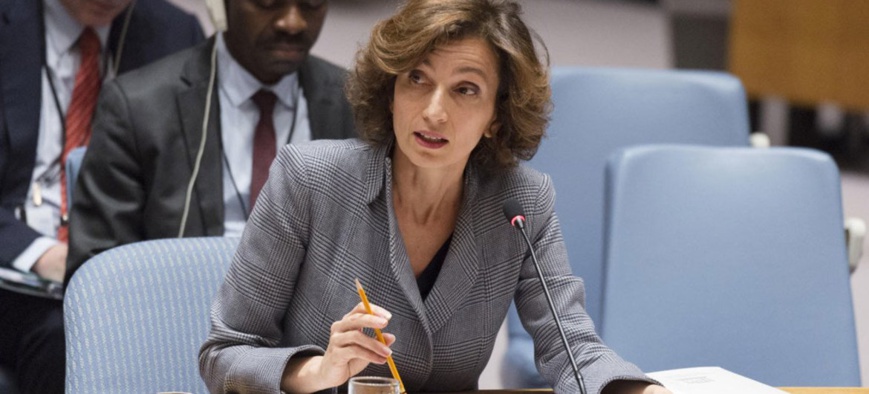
(513, 212)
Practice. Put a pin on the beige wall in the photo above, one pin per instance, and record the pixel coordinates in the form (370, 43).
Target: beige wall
(576, 32)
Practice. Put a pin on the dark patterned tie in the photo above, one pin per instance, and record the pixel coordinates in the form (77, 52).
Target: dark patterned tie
(264, 143)
(80, 111)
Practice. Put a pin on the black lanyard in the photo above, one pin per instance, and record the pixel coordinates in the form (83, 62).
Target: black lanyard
(49, 75)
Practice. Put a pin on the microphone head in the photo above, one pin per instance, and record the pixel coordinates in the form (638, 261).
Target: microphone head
(513, 212)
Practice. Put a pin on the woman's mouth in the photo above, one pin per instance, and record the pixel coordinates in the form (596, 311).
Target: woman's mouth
(429, 140)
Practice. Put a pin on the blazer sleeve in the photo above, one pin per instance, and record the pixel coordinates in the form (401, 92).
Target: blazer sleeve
(243, 353)
(18, 62)
(109, 197)
(15, 237)
(598, 364)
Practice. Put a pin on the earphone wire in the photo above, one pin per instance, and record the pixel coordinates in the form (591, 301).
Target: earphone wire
(208, 98)
(116, 61)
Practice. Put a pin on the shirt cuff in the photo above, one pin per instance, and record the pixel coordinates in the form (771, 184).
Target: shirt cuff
(27, 259)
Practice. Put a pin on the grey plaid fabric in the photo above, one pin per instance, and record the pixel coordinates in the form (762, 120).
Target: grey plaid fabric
(325, 217)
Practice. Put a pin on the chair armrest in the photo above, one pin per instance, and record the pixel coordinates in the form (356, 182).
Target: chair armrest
(759, 140)
(855, 232)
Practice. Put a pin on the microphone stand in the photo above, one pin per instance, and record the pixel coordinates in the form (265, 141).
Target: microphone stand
(520, 224)
(513, 211)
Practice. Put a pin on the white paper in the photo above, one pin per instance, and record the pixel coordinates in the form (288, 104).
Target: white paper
(710, 380)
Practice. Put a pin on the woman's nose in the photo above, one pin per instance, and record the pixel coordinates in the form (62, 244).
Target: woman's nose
(435, 111)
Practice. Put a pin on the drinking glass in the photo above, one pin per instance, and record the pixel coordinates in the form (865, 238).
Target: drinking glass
(373, 385)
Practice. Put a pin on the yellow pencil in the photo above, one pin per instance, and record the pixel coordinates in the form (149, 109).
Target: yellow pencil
(379, 335)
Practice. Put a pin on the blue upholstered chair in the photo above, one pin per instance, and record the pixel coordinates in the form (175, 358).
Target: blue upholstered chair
(598, 111)
(137, 314)
(732, 257)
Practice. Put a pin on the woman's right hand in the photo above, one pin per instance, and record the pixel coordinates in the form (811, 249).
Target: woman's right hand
(349, 351)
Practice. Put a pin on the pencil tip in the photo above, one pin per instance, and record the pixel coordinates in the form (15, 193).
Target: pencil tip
(358, 285)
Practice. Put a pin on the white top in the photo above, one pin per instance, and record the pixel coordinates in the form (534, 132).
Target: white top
(238, 118)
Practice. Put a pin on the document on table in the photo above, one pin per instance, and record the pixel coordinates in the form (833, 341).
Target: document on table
(710, 380)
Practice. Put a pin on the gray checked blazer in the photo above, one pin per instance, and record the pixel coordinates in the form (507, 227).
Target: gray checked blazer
(325, 217)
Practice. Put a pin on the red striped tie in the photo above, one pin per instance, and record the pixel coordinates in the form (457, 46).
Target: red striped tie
(80, 112)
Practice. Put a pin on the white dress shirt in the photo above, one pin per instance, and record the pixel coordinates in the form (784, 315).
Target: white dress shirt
(62, 58)
(238, 118)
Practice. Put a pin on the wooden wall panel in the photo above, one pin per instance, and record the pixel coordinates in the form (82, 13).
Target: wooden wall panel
(806, 51)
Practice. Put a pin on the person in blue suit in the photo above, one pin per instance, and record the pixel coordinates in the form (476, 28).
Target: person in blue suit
(41, 52)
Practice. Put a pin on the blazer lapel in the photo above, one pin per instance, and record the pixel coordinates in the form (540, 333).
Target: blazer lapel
(21, 53)
(320, 92)
(208, 195)
(399, 263)
(459, 272)
(395, 286)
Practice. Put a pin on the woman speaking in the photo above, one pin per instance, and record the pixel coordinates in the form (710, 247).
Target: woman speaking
(448, 96)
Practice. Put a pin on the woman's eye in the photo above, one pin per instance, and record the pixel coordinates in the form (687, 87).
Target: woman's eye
(415, 78)
(467, 91)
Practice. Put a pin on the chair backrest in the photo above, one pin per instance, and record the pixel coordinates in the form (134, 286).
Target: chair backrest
(73, 164)
(137, 314)
(732, 257)
(597, 111)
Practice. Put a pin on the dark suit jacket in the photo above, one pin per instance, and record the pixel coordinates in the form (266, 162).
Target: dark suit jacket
(156, 29)
(146, 137)
(325, 217)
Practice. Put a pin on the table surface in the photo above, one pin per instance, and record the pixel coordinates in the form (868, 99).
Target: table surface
(791, 390)
(826, 390)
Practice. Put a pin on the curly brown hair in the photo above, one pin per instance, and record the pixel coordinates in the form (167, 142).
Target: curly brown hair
(400, 43)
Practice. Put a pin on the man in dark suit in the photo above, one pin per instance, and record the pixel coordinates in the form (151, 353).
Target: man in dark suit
(46, 48)
(175, 155)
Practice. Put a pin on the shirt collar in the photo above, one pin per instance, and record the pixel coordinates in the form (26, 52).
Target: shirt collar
(62, 30)
(239, 84)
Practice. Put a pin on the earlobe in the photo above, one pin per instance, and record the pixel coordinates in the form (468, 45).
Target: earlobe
(493, 129)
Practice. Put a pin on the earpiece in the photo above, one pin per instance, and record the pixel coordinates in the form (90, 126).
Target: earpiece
(116, 63)
(218, 16)
(217, 10)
